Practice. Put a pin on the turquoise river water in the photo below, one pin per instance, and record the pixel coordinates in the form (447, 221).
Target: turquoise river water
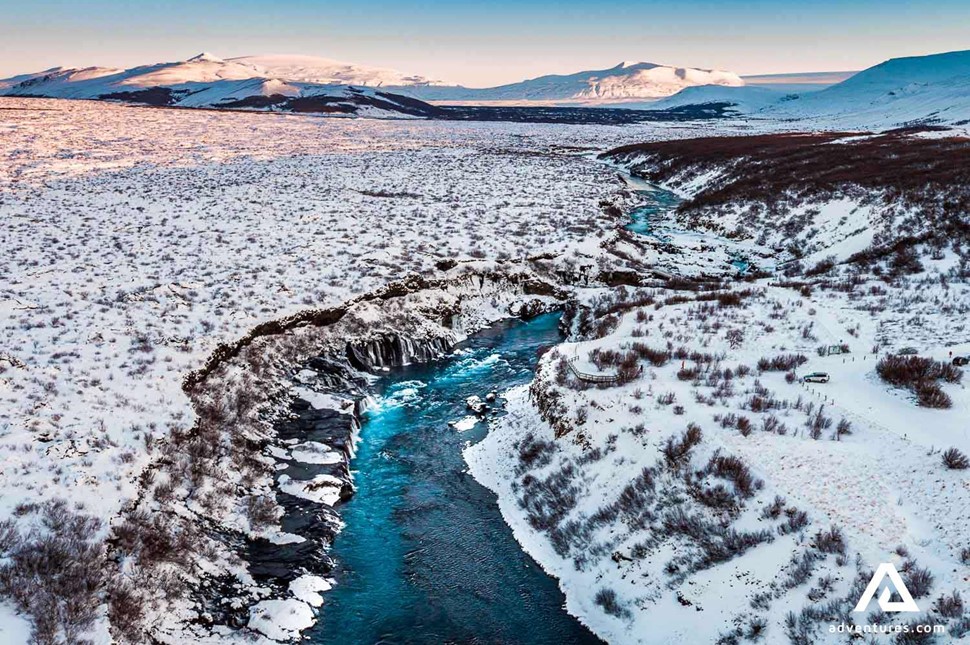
(425, 556)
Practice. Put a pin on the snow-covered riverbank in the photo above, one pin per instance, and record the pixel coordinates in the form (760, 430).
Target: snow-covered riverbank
(140, 240)
(171, 277)
(705, 494)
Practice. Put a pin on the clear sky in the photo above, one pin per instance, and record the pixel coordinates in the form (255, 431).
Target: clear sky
(484, 43)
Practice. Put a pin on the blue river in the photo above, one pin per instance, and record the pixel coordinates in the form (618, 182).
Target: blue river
(426, 556)
(655, 201)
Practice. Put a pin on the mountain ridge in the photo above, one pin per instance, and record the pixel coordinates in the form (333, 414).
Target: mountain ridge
(930, 90)
(625, 81)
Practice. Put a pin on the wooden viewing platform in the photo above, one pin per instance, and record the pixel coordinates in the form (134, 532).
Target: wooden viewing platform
(591, 378)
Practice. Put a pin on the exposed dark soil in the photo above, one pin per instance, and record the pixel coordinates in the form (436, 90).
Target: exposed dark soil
(152, 96)
(581, 115)
(925, 181)
(351, 104)
(757, 167)
(334, 104)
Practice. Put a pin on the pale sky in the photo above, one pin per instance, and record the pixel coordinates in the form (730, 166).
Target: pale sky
(483, 44)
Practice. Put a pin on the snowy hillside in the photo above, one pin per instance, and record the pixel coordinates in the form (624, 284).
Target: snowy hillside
(742, 99)
(932, 88)
(289, 83)
(925, 89)
(798, 82)
(624, 82)
(326, 71)
(313, 76)
(670, 464)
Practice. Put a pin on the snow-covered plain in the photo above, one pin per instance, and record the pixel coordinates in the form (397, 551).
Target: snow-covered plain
(642, 536)
(138, 239)
(882, 483)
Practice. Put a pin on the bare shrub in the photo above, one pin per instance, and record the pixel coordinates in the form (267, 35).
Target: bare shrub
(907, 371)
(955, 460)
(262, 511)
(688, 373)
(717, 544)
(918, 580)
(831, 541)
(717, 496)
(920, 374)
(949, 606)
(782, 363)
(774, 509)
(548, 501)
(795, 520)
(656, 357)
(152, 539)
(801, 569)
(735, 470)
(843, 428)
(606, 598)
(744, 426)
(55, 574)
(676, 451)
(762, 402)
(729, 420)
(534, 453)
(772, 424)
(9, 536)
(931, 395)
(818, 422)
(756, 629)
(126, 613)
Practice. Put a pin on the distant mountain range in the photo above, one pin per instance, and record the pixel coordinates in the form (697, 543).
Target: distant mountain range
(292, 83)
(275, 81)
(798, 82)
(932, 89)
(626, 81)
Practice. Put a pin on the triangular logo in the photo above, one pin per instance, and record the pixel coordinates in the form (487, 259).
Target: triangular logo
(887, 569)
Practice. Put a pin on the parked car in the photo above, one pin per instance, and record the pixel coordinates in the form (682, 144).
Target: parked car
(816, 377)
(960, 361)
(908, 351)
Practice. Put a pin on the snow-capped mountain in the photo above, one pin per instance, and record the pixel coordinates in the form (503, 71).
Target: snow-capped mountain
(798, 81)
(933, 89)
(627, 81)
(206, 80)
(294, 83)
(207, 68)
(325, 71)
(922, 89)
(745, 99)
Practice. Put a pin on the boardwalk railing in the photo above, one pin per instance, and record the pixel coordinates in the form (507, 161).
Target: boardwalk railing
(591, 378)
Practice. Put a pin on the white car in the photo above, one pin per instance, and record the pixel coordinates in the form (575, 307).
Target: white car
(816, 377)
